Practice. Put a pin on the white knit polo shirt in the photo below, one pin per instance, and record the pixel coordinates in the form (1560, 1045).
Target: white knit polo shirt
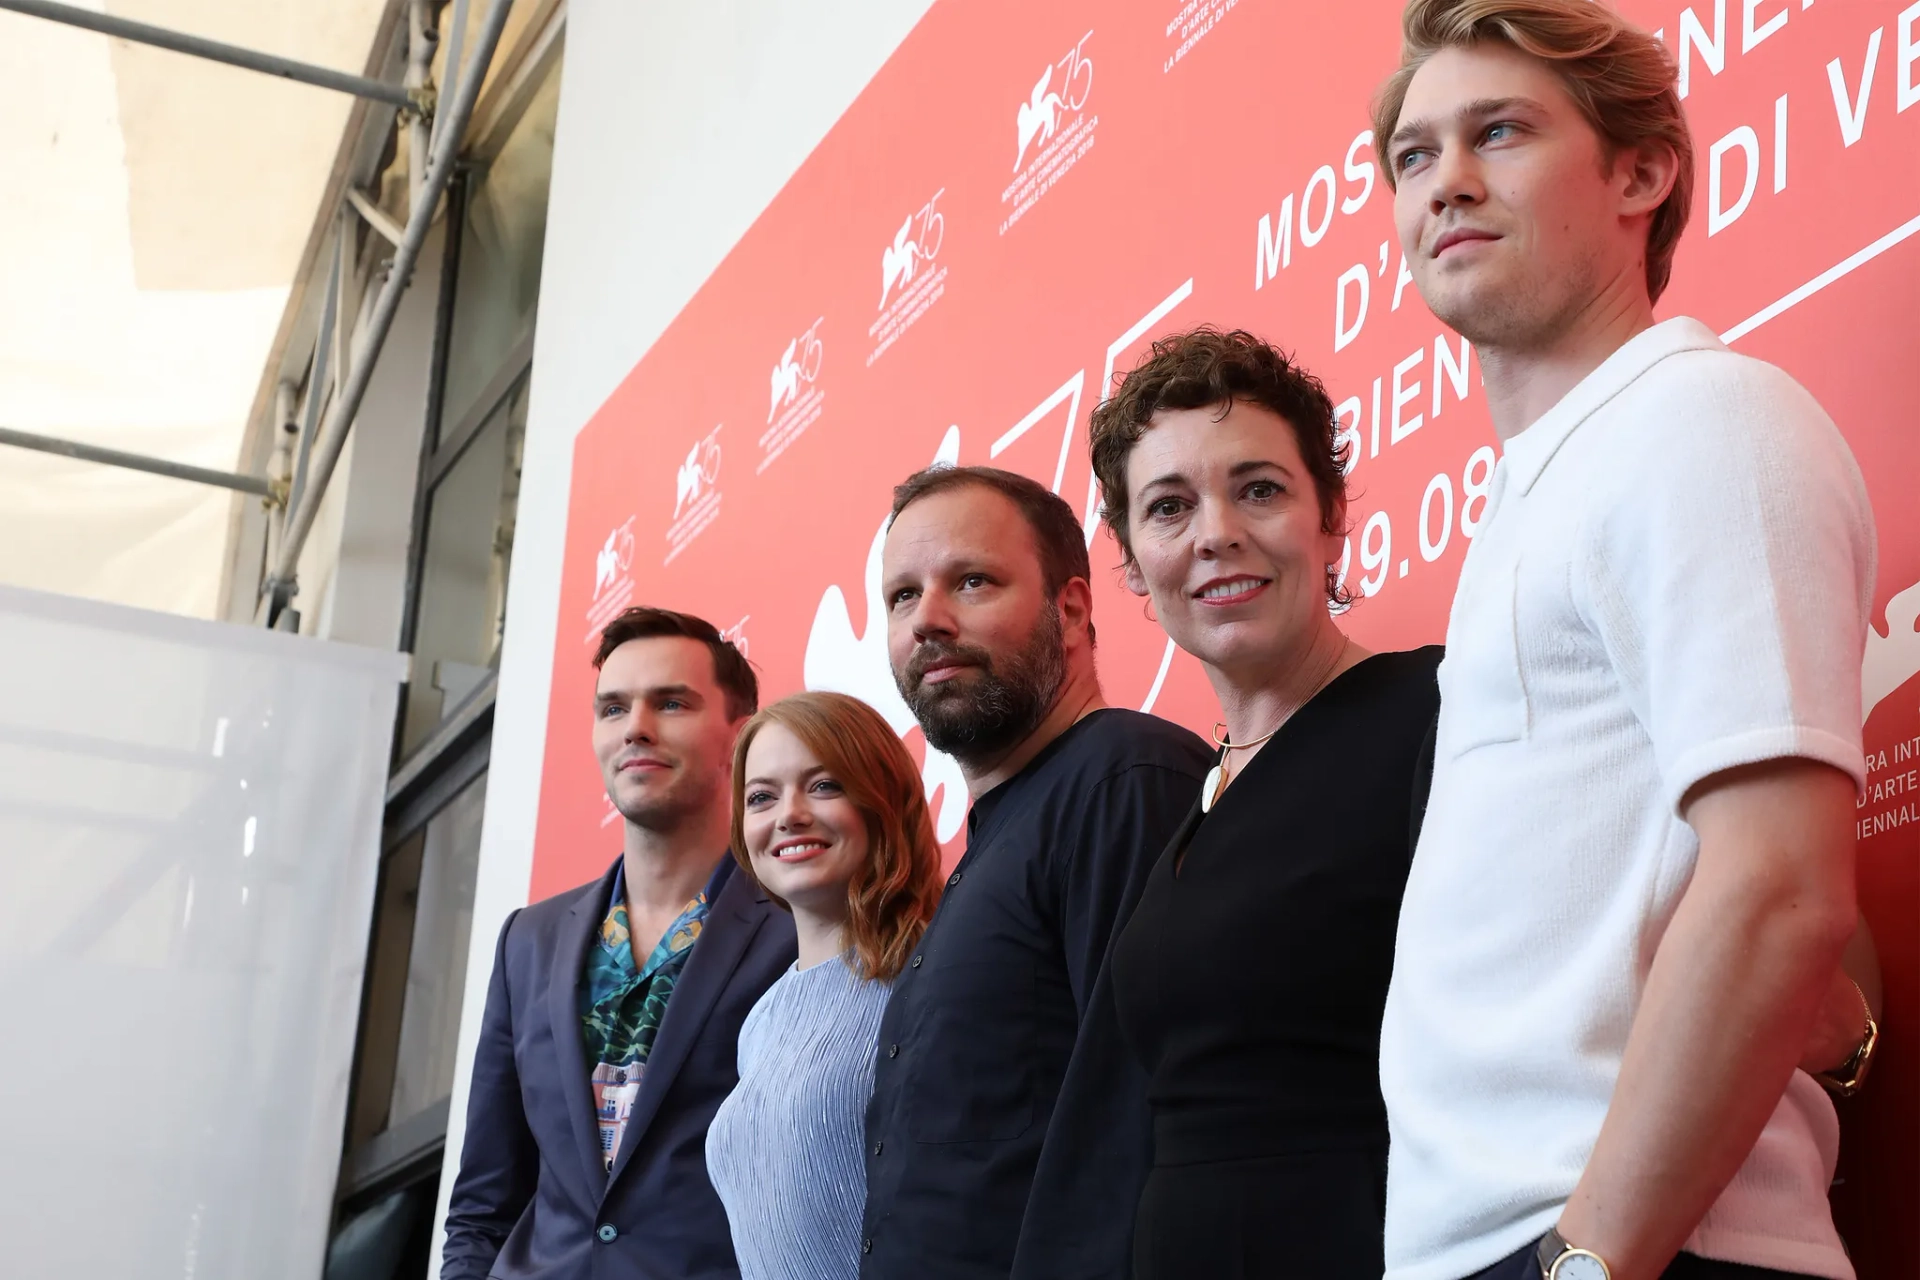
(1672, 577)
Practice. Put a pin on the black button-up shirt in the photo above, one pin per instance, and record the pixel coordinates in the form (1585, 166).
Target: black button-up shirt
(1001, 1070)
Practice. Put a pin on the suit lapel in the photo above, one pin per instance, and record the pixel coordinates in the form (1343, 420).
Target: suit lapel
(563, 1005)
(736, 916)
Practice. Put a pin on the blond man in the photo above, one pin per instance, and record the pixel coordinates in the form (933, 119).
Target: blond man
(1635, 877)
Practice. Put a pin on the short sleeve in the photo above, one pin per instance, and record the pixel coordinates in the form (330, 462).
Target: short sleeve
(1730, 578)
(1099, 1139)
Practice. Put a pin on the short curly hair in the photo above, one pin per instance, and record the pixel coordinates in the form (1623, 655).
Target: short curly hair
(1204, 368)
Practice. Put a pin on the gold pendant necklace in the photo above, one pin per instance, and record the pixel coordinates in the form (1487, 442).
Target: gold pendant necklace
(1215, 783)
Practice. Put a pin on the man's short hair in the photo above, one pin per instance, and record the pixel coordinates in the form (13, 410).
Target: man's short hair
(1056, 530)
(1621, 78)
(730, 669)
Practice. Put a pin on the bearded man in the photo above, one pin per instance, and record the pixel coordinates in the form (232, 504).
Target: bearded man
(1009, 1132)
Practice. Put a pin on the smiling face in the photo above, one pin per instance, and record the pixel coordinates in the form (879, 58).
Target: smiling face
(1513, 218)
(661, 732)
(1227, 537)
(976, 645)
(805, 838)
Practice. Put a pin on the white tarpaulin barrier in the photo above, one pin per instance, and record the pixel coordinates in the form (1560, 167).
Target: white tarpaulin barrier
(189, 839)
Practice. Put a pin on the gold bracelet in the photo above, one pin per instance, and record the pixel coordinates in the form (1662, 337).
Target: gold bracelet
(1846, 1081)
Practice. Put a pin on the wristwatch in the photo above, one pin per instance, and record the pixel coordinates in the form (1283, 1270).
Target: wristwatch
(1561, 1261)
(1845, 1080)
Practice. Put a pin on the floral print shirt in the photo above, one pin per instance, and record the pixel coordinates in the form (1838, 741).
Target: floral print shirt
(621, 1006)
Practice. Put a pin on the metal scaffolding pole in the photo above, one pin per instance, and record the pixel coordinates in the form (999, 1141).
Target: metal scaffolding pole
(390, 231)
(421, 38)
(456, 35)
(286, 428)
(317, 376)
(213, 50)
(280, 583)
(135, 462)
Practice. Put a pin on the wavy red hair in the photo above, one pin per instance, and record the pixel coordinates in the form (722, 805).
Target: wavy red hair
(892, 894)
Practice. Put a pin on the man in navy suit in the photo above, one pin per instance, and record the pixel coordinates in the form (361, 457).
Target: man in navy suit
(614, 1012)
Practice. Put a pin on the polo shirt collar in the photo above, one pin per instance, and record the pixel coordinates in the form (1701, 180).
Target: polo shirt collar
(1528, 453)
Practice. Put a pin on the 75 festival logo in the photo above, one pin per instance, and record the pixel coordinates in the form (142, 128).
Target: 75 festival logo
(1039, 116)
(697, 474)
(917, 241)
(798, 365)
(614, 558)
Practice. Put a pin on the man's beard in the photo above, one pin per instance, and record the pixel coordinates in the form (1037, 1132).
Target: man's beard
(978, 717)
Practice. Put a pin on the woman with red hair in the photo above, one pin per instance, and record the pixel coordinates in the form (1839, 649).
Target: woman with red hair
(829, 817)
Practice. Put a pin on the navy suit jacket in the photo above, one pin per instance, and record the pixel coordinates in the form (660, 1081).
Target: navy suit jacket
(533, 1200)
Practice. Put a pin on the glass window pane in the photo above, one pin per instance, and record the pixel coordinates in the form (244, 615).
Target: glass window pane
(437, 968)
(506, 228)
(463, 576)
(386, 990)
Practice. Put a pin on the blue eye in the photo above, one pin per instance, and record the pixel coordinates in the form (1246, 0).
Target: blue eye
(757, 797)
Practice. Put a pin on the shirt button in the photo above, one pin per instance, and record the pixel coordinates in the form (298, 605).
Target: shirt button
(893, 1051)
(866, 1246)
(877, 1147)
(917, 960)
(607, 1233)
(954, 878)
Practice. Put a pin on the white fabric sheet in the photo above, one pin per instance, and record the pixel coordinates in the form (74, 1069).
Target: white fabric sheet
(189, 836)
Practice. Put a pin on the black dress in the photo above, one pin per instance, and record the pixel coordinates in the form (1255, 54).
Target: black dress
(1250, 984)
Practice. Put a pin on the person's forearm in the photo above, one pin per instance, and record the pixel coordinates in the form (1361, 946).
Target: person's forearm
(1726, 1014)
(1853, 995)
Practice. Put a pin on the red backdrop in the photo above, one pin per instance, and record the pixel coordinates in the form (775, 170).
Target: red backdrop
(1025, 195)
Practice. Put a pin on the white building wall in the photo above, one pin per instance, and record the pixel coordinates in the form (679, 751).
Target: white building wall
(678, 125)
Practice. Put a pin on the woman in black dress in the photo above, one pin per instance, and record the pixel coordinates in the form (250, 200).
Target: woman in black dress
(1251, 978)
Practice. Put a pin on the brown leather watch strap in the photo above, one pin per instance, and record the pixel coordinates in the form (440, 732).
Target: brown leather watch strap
(1552, 1245)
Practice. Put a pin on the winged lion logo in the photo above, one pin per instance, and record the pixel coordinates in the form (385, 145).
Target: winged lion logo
(701, 468)
(897, 259)
(1039, 115)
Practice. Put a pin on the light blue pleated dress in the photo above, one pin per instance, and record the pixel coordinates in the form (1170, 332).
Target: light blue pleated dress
(787, 1149)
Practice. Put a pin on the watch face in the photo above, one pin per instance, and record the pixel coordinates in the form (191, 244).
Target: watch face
(1580, 1266)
